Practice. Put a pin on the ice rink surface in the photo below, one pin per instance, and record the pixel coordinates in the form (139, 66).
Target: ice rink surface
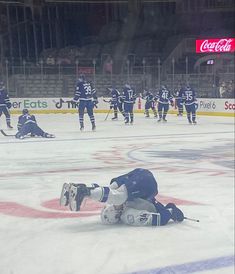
(194, 167)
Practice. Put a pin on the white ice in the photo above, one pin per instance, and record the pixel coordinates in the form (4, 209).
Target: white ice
(194, 167)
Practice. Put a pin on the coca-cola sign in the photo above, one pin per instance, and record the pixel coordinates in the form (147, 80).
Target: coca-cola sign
(215, 45)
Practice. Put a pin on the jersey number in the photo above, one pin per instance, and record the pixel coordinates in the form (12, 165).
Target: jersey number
(165, 95)
(87, 88)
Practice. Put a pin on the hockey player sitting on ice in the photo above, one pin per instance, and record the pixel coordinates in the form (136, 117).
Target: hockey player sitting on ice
(130, 199)
(149, 104)
(27, 124)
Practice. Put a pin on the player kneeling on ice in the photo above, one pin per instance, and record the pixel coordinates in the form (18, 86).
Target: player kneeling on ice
(130, 200)
(27, 124)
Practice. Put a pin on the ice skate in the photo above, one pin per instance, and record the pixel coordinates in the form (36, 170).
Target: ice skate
(49, 135)
(81, 126)
(115, 117)
(176, 214)
(93, 127)
(64, 196)
(77, 192)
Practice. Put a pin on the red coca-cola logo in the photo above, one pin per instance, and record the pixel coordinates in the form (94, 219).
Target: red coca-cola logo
(215, 45)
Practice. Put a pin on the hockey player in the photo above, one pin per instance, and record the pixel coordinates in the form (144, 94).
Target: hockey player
(179, 100)
(190, 102)
(130, 199)
(149, 104)
(5, 104)
(116, 102)
(164, 98)
(86, 95)
(27, 124)
(129, 97)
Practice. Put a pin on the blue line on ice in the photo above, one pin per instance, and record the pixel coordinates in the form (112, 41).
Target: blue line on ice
(42, 140)
(192, 267)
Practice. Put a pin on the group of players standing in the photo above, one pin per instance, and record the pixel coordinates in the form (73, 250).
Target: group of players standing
(184, 96)
(123, 102)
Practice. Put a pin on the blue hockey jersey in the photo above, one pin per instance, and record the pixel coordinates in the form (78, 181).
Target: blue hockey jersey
(4, 98)
(149, 97)
(164, 96)
(84, 91)
(129, 94)
(178, 94)
(188, 96)
(115, 96)
(140, 183)
(25, 119)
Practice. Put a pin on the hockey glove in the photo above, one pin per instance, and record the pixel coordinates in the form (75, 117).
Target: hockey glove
(8, 105)
(95, 102)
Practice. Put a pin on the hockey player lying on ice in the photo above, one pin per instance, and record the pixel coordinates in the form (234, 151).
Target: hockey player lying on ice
(130, 199)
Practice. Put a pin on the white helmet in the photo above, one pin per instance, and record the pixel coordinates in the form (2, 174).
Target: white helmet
(110, 215)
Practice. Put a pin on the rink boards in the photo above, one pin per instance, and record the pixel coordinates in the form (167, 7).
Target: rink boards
(206, 106)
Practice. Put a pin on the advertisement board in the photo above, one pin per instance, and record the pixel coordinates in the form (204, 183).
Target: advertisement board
(206, 106)
(215, 45)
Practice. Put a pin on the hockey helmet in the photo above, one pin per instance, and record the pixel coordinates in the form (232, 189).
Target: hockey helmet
(110, 215)
(2, 84)
(25, 111)
(128, 86)
(81, 78)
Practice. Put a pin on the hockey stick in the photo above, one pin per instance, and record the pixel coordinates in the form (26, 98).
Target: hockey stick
(193, 220)
(107, 115)
(106, 101)
(5, 134)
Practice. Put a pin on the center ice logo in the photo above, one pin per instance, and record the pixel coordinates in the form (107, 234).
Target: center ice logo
(52, 210)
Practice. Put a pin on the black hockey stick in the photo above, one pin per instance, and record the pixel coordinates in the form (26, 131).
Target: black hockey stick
(107, 115)
(107, 101)
(5, 134)
(193, 220)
